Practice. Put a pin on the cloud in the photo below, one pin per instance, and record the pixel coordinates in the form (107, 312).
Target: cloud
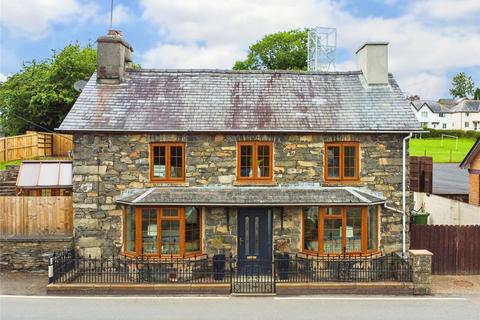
(2, 77)
(191, 56)
(34, 18)
(213, 34)
(447, 9)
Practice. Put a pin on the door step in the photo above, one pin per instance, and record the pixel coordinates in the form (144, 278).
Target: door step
(253, 294)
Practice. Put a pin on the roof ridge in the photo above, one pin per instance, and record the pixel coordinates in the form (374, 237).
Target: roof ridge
(230, 71)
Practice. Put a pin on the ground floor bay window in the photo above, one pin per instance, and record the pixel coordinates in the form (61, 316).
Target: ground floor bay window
(162, 231)
(338, 229)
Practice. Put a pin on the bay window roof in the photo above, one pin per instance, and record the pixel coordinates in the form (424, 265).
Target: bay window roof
(257, 196)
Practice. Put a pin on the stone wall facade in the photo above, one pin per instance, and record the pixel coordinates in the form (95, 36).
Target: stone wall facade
(30, 253)
(109, 165)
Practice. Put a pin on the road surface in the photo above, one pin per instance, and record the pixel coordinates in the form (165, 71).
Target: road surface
(244, 308)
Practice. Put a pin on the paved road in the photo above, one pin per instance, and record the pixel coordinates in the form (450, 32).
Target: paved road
(244, 308)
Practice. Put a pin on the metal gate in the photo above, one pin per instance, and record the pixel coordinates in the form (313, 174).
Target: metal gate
(252, 276)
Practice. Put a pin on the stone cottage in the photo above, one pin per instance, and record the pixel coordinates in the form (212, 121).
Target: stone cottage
(174, 162)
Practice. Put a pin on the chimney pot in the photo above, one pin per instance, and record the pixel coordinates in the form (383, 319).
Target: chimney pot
(372, 59)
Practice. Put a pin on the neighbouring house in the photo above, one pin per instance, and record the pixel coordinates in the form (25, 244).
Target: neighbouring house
(472, 163)
(172, 162)
(447, 114)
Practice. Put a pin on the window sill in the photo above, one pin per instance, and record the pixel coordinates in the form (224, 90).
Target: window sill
(307, 254)
(254, 183)
(165, 257)
(182, 183)
(343, 182)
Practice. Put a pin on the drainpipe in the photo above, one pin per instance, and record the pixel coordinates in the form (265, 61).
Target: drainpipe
(404, 190)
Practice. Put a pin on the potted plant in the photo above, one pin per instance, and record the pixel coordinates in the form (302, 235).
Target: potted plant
(283, 259)
(218, 258)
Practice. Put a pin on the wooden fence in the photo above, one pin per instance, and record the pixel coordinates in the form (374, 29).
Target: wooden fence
(456, 249)
(421, 169)
(35, 145)
(29, 216)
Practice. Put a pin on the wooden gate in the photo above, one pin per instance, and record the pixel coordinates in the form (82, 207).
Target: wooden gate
(456, 249)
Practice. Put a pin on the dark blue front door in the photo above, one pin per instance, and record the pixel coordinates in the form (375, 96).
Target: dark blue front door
(254, 237)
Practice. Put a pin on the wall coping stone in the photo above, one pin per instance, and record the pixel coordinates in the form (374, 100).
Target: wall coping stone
(37, 238)
(420, 252)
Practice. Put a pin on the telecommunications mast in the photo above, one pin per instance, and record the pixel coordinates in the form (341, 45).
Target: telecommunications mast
(321, 44)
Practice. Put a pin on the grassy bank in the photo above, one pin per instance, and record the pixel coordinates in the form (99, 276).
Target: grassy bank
(446, 152)
(4, 164)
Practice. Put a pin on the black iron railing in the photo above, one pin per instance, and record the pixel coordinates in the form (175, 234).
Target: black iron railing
(343, 268)
(66, 267)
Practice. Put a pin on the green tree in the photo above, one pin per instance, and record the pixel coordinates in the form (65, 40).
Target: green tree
(462, 86)
(476, 95)
(278, 51)
(42, 92)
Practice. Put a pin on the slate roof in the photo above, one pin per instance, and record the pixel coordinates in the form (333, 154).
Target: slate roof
(241, 101)
(467, 106)
(244, 196)
(448, 106)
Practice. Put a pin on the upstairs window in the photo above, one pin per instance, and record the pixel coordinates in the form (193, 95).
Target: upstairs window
(467, 114)
(167, 162)
(441, 115)
(254, 161)
(341, 161)
(424, 114)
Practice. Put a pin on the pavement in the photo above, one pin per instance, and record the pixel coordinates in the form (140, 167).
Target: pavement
(34, 284)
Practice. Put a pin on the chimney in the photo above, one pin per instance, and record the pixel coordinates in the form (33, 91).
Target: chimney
(372, 59)
(114, 55)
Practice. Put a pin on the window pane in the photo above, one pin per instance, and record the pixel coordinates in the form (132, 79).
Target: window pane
(149, 230)
(310, 225)
(332, 237)
(176, 159)
(350, 162)
(354, 230)
(192, 229)
(263, 161)
(333, 211)
(333, 154)
(372, 228)
(170, 237)
(170, 212)
(159, 162)
(130, 229)
(246, 161)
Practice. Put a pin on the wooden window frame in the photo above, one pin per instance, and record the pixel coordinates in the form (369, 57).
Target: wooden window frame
(341, 146)
(254, 178)
(322, 216)
(167, 146)
(160, 217)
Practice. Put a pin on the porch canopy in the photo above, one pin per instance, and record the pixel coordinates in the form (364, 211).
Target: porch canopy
(251, 196)
(45, 174)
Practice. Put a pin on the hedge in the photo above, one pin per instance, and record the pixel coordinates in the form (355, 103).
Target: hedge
(433, 133)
